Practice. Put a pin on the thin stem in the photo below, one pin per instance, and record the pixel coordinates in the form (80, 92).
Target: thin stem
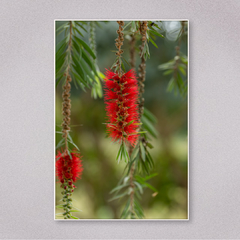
(142, 67)
(66, 106)
(118, 44)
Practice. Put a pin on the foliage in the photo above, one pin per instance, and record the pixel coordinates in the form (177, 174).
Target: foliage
(74, 60)
(176, 67)
(74, 55)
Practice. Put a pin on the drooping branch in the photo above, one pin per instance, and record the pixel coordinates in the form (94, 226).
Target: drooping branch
(142, 73)
(66, 106)
(142, 67)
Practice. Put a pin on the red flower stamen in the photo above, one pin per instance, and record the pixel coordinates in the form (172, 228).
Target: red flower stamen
(120, 97)
(68, 168)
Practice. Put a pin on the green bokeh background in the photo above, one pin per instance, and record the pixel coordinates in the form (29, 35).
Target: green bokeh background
(170, 153)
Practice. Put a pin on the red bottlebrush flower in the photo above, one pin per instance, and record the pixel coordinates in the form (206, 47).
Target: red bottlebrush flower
(68, 168)
(120, 97)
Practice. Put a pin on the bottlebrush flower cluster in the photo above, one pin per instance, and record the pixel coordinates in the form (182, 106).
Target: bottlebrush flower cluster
(67, 168)
(121, 94)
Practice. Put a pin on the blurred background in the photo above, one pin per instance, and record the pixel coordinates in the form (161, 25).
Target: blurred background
(170, 153)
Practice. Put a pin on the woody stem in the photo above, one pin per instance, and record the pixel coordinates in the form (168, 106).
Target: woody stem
(66, 106)
(118, 44)
(142, 73)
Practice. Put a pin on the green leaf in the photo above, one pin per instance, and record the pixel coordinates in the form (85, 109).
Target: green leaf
(119, 155)
(126, 62)
(149, 159)
(58, 132)
(69, 154)
(78, 68)
(123, 67)
(60, 47)
(156, 33)
(118, 196)
(150, 145)
(76, 29)
(77, 48)
(86, 47)
(74, 145)
(80, 25)
(135, 152)
(170, 71)
(125, 152)
(142, 152)
(144, 50)
(151, 187)
(126, 25)
(59, 206)
(182, 70)
(149, 116)
(138, 209)
(147, 51)
(80, 81)
(151, 176)
(77, 209)
(170, 85)
(149, 127)
(140, 179)
(118, 188)
(64, 25)
(86, 69)
(73, 217)
(59, 62)
(183, 58)
(125, 211)
(145, 167)
(133, 26)
(154, 44)
(166, 66)
(114, 63)
(139, 187)
(61, 142)
(59, 79)
(131, 163)
(89, 62)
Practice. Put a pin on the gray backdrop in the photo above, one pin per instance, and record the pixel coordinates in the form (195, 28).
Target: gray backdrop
(27, 119)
